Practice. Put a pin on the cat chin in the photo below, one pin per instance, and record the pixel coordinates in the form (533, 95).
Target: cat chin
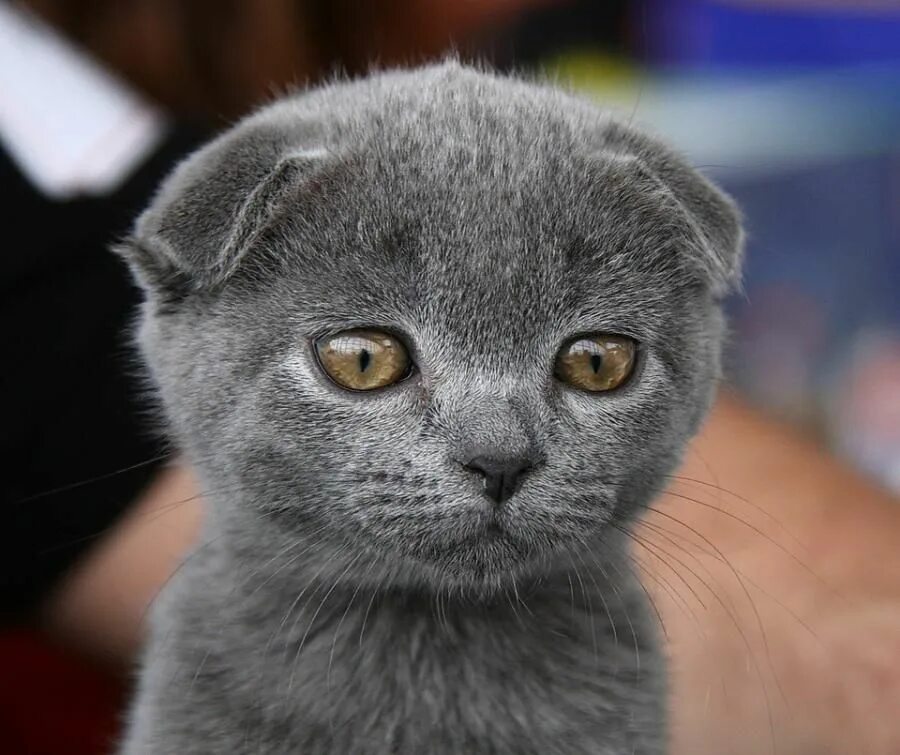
(480, 568)
(436, 579)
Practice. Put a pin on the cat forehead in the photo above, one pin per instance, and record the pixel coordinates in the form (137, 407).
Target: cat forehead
(478, 165)
(478, 270)
(473, 203)
(491, 220)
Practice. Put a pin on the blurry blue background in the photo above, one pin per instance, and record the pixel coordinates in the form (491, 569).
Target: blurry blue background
(794, 108)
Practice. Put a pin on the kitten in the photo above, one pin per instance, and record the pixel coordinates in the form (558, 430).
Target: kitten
(431, 339)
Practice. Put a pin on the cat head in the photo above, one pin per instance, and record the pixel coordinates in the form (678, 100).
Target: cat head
(454, 324)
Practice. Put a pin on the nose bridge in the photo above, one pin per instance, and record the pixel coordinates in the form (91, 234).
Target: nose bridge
(488, 422)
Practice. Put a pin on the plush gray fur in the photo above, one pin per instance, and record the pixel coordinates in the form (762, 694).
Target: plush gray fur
(354, 591)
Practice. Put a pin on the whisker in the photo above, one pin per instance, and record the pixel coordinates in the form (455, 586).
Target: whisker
(667, 587)
(663, 533)
(290, 546)
(757, 530)
(737, 626)
(589, 605)
(618, 594)
(315, 615)
(91, 480)
(759, 622)
(362, 628)
(649, 597)
(660, 529)
(519, 600)
(742, 499)
(293, 605)
(653, 550)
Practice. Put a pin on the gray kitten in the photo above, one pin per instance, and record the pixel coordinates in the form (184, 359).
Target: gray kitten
(431, 340)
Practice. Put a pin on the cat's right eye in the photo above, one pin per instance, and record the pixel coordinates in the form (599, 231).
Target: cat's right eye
(363, 360)
(596, 363)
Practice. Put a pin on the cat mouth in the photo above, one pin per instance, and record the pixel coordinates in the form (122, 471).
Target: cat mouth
(493, 529)
(495, 540)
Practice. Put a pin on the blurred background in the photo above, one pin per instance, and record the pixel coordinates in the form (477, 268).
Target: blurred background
(793, 106)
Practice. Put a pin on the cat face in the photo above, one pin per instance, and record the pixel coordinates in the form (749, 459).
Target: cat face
(453, 324)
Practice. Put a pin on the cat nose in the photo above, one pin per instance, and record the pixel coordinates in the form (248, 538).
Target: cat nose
(501, 474)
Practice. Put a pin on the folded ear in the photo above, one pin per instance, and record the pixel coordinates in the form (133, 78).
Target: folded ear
(208, 213)
(713, 218)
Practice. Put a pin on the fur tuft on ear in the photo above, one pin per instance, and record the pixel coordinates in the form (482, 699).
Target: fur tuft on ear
(210, 210)
(714, 219)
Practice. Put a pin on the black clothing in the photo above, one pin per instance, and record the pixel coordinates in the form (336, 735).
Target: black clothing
(70, 386)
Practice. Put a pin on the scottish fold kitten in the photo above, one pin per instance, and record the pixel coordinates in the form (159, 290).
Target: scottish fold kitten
(431, 340)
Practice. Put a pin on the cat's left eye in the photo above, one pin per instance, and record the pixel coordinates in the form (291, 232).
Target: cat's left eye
(363, 360)
(596, 362)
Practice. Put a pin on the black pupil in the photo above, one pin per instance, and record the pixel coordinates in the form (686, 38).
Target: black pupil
(596, 363)
(364, 359)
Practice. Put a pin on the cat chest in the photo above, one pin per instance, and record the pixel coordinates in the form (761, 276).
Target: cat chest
(408, 687)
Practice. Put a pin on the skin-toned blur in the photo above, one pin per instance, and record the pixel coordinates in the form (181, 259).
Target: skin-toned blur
(773, 567)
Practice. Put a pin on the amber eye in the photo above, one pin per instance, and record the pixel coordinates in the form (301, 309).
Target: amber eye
(362, 360)
(596, 363)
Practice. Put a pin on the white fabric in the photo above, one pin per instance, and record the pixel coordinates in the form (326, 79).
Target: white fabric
(71, 127)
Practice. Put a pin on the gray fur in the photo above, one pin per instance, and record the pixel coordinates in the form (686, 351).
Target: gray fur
(354, 592)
